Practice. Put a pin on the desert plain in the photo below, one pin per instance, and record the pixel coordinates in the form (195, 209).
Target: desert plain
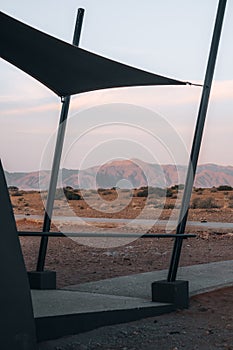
(207, 324)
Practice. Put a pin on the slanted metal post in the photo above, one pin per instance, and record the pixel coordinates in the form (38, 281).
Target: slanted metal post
(197, 141)
(57, 157)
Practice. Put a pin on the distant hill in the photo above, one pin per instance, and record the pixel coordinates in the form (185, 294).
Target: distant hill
(136, 172)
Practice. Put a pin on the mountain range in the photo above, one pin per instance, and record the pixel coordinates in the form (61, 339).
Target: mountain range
(124, 173)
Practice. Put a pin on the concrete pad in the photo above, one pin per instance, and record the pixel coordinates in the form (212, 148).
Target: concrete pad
(58, 302)
(60, 313)
(202, 278)
(87, 306)
(206, 277)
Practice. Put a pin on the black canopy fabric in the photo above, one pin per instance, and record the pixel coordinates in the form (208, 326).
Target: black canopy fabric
(64, 68)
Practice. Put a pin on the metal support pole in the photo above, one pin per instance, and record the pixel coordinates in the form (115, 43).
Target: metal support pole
(57, 157)
(197, 141)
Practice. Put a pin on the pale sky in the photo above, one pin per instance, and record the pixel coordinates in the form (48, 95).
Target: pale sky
(167, 37)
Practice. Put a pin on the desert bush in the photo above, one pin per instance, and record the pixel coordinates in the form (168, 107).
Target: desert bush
(177, 187)
(169, 192)
(224, 188)
(158, 191)
(92, 191)
(195, 203)
(142, 193)
(169, 206)
(13, 188)
(206, 203)
(101, 190)
(14, 191)
(69, 188)
(70, 194)
(16, 194)
(213, 189)
(199, 190)
(106, 192)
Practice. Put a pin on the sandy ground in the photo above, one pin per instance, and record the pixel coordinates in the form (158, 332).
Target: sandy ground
(83, 261)
(76, 263)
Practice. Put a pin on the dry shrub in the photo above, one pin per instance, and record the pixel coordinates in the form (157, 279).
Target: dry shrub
(206, 203)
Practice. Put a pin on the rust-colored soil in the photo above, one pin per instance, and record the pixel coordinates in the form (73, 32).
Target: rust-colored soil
(77, 263)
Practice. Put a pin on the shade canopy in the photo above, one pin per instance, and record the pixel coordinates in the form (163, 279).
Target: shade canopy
(64, 68)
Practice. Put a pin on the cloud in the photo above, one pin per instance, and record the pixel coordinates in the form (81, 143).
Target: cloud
(155, 96)
(22, 110)
(33, 98)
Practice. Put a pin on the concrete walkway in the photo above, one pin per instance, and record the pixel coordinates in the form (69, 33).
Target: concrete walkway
(202, 278)
(83, 307)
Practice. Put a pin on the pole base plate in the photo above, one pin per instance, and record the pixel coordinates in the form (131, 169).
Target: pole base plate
(42, 279)
(176, 293)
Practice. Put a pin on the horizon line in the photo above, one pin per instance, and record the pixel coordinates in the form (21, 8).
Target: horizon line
(100, 165)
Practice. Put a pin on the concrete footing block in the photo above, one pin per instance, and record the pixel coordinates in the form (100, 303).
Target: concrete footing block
(42, 279)
(176, 293)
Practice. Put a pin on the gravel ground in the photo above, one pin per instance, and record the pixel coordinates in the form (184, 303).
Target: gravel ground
(206, 325)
